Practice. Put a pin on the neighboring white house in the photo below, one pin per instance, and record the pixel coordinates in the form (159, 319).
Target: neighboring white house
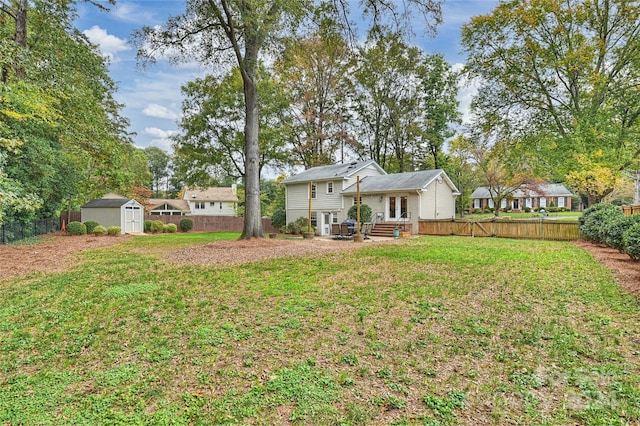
(395, 198)
(126, 213)
(212, 201)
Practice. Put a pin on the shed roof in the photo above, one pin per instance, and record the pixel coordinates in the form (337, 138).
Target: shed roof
(335, 171)
(210, 194)
(408, 181)
(105, 203)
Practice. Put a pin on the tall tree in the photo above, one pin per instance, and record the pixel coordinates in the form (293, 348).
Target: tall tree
(563, 77)
(314, 72)
(158, 161)
(244, 28)
(211, 143)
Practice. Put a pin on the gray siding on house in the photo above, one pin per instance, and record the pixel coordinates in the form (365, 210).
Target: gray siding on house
(104, 216)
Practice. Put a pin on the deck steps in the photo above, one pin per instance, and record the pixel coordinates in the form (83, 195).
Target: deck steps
(386, 229)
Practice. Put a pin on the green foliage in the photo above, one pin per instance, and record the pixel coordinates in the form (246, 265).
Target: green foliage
(186, 225)
(365, 213)
(76, 228)
(97, 230)
(171, 228)
(147, 225)
(445, 408)
(90, 224)
(614, 229)
(114, 230)
(157, 226)
(278, 218)
(591, 223)
(631, 240)
(297, 226)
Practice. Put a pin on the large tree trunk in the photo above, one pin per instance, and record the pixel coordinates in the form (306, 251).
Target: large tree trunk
(252, 214)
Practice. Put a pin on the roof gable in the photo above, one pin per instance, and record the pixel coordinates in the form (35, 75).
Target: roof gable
(408, 181)
(336, 171)
(210, 194)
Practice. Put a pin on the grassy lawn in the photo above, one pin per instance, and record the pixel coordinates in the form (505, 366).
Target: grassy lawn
(431, 331)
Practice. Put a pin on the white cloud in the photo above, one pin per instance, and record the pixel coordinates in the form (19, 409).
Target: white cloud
(160, 138)
(108, 44)
(159, 133)
(132, 13)
(159, 111)
(467, 90)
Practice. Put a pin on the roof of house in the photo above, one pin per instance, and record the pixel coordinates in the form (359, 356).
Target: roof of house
(540, 190)
(182, 205)
(408, 181)
(105, 203)
(210, 194)
(336, 171)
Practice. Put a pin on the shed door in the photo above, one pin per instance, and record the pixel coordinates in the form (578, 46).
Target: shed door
(133, 219)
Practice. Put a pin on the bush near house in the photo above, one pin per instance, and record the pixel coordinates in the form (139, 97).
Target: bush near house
(297, 226)
(607, 224)
(157, 227)
(91, 224)
(114, 230)
(76, 228)
(147, 225)
(98, 230)
(171, 228)
(365, 213)
(186, 225)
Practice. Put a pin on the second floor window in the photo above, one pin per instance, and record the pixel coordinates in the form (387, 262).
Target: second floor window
(314, 191)
(329, 187)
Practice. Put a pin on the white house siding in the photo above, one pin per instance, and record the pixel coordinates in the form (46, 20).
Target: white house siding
(437, 202)
(228, 208)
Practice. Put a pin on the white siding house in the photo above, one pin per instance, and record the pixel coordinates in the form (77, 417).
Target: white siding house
(395, 198)
(211, 201)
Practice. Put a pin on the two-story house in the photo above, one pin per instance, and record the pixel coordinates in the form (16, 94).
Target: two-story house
(211, 201)
(393, 198)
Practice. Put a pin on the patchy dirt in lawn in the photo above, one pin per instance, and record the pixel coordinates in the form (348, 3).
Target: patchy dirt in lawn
(55, 252)
(626, 271)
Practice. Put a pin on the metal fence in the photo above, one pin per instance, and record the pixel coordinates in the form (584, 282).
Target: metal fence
(16, 231)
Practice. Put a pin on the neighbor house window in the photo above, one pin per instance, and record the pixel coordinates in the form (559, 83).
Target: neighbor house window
(477, 203)
(543, 202)
(329, 187)
(561, 202)
(490, 203)
(199, 205)
(220, 204)
(212, 204)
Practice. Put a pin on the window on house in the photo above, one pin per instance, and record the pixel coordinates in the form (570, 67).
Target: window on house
(355, 200)
(334, 217)
(561, 202)
(220, 204)
(199, 205)
(212, 203)
(329, 187)
(490, 203)
(314, 191)
(543, 202)
(503, 203)
(477, 203)
(314, 219)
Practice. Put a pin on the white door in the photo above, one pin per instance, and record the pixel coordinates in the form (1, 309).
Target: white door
(396, 208)
(132, 219)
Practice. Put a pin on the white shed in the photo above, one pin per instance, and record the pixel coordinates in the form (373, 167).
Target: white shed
(126, 213)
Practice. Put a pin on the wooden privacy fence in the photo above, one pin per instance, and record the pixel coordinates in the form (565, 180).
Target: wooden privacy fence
(533, 229)
(200, 223)
(629, 210)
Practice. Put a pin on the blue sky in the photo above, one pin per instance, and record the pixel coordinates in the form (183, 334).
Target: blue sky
(152, 96)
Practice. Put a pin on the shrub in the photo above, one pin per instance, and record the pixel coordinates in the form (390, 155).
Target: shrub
(592, 220)
(296, 227)
(365, 213)
(76, 228)
(114, 230)
(91, 224)
(527, 209)
(171, 228)
(186, 225)
(613, 230)
(279, 218)
(98, 230)
(631, 240)
(157, 226)
(147, 225)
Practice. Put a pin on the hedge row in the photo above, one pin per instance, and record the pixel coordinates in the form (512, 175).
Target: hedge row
(607, 224)
(91, 227)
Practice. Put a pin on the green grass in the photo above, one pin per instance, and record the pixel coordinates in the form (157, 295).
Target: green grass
(430, 331)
